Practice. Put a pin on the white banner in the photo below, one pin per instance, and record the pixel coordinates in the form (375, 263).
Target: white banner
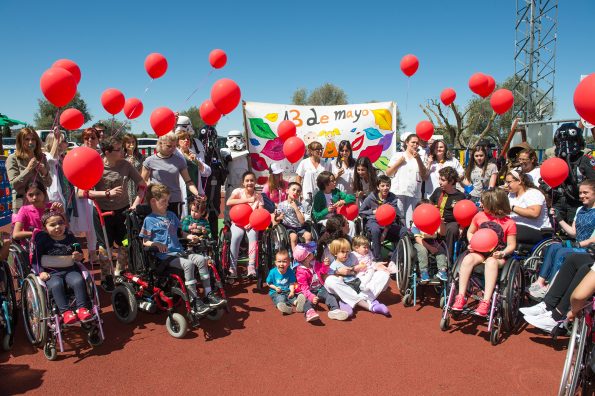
(369, 127)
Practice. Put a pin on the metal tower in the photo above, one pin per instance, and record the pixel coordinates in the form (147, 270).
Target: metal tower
(535, 59)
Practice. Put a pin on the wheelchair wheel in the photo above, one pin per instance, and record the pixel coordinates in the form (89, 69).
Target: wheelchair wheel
(223, 252)
(94, 337)
(10, 309)
(533, 263)
(264, 255)
(124, 303)
(279, 239)
(403, 256)
(18, 261)
(49, 351)
(574, 363)
(513, 297)
(445, 323)
(496, 330)
(35, 310)
(176, 325)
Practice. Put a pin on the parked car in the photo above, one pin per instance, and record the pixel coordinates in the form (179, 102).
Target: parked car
(72, 145)
(146, 146)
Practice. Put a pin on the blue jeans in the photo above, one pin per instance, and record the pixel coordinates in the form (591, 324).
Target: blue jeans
(283, 297)
(74, 279)
(394, 234)
(325, 297)
(554, 258)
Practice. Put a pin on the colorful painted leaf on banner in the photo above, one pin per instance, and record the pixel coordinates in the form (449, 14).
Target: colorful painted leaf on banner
(383, 118)
(353, 130)
(330, 151)
(261, 129)
(381, 163)
(372, 133)
(258, 163)
(274, 150)
(386, 141)
(357, 143)
(372, 152)
(262, 180)
(272, 117)
(254, 142)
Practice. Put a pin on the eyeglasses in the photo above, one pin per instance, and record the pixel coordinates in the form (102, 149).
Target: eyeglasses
(507, 182)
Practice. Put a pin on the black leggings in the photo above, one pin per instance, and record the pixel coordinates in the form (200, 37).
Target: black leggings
(528, 235)
(114, 227)
(574, 269)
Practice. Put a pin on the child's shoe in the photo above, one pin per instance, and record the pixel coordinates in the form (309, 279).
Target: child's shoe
(83, 314)
(251, 271)
(379, 308)
(214, 300)
(284, 308)
(69, 317)
(311, 315)
(483, 308)
(337, 314)
(392, 267)
(346, 308)
(200, 308)
(460, 302)
(299, 303)
(442, 275)
(425, 277)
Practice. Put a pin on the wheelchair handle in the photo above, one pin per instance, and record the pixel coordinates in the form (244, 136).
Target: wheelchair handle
(100, 213)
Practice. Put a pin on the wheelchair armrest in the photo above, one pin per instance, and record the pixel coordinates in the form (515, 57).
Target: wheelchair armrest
(151, 249)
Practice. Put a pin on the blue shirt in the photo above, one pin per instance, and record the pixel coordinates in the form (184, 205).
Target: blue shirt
(163, 229)
(280, 280)
(584, 221)
(351, 262)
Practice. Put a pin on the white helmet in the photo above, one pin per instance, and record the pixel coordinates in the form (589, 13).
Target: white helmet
(235, 141)
(184, 124)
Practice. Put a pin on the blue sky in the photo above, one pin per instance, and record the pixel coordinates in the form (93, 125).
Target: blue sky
(275, 47)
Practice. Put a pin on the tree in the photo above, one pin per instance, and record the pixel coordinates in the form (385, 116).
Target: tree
(194, 115)
(143, 134)
(114, 126)
(46, 114)
(325, 95)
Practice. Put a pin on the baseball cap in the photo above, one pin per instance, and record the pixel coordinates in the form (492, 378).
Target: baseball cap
(302, 250)
(276, 168)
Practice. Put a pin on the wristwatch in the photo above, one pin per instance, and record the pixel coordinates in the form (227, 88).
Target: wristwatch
(512, 209)
(107, 194)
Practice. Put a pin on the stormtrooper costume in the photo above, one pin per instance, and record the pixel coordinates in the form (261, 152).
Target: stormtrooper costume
(236, 159)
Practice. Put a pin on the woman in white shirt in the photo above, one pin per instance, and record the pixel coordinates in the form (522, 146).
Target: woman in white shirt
(529, 208)
(440, 157)
(407, 170)
(343, 168)
(309, 169)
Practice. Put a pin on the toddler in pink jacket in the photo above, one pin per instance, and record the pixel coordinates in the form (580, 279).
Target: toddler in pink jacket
(310, 276)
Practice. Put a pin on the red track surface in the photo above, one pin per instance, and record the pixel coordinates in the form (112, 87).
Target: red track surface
(255, 350)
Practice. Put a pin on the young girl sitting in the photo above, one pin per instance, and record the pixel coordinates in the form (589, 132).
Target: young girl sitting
(495, 216)
(291, 214)
(248, 195)
(28, 219)
(329, 198)
(53, 256)
(364, 179)
(310, 276)
(424, 245)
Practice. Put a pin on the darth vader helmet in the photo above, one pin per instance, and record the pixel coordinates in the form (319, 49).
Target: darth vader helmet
(569, 141)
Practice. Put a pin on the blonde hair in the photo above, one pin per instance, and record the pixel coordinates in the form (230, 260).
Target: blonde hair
(339, 245)
(496, 202)
(49, 141)
(360, 240)
(156, 191)
(169, 137)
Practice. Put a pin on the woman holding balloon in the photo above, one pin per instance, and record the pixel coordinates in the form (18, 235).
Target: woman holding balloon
(26, 164)
(483, 249)
(407, 170)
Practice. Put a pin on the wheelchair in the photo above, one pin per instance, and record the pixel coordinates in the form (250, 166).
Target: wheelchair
(152, 285)
(408, 273)
(578, 366)
(8, 307)
(506, 300)
(43, 322)
(19, 262)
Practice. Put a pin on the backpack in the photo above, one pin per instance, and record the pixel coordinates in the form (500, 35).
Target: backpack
(497, 228)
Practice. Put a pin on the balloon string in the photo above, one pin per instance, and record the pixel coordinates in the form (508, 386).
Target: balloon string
(407, 95)
(148, 86)
(56, 118)
(200, 85)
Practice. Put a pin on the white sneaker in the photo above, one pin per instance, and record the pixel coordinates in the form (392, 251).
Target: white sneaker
(535, 310)
(540, 293)
(544, 321)
(534, 287)
(337, 314)
(299, 303)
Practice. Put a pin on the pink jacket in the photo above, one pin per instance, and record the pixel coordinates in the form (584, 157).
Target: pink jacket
(304, 278)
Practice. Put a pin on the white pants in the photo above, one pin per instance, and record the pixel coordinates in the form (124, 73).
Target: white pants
(335, 285)
(351, 232)
(405, 205)
(373, 283)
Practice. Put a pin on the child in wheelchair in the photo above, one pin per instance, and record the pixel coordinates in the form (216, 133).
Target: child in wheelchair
(160, 230)
(196, 222)
(291, 215)
(54, 252)
(329, 198)
(426, 245)
(494, 216)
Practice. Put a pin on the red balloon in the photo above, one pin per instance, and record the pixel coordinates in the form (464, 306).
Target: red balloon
(584, 101)
(112, 101)
(240, 214)
(260, 219)
(155, 65)
(385, 215)
(294, 149)
(484, 240)
(72, 67)
(554, 171)
(286, 129)
(478, 83)
(502, 100)
(209, 113)
(163, 120)
(58, 86)
(350, 211)
(262, 180)
(83, 167)
(425, 130)
(464, 211)
(409, 64)
(448, 96)
(426, 217)
(133, 108)
(72, 119)
(225, 95)
(217, 58)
